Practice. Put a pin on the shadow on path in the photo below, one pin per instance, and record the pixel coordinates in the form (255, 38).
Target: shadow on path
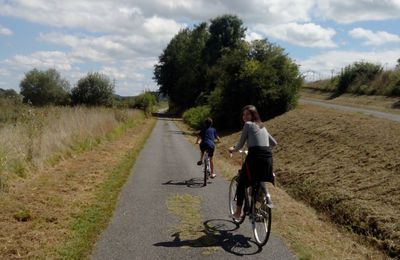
(217, 233)
(191, 183)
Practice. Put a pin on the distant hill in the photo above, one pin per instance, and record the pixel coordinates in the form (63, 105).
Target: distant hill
(8, 93)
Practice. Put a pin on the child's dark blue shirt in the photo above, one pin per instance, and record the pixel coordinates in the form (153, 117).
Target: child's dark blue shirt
(208, 135)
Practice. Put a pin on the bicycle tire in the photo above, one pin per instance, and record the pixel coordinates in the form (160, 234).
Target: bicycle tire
(232, 200)
(261, 218)
(205, 170)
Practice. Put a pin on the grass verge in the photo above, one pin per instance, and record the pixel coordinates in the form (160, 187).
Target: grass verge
(69, 203)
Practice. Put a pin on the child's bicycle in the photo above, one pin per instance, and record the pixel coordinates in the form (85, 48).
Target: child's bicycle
(257, 205)
(206, 167)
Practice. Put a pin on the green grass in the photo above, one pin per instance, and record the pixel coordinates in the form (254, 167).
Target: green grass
(88, 224)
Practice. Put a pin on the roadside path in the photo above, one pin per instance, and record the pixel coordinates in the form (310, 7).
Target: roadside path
(144, 228)
(388, 116)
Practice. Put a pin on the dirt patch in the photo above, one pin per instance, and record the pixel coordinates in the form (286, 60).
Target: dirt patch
(56, 195)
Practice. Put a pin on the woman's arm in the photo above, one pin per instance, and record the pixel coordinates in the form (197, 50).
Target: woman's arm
(272, 141)
(243, 138)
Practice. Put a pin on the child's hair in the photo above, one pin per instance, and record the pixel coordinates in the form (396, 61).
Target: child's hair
(208, 122)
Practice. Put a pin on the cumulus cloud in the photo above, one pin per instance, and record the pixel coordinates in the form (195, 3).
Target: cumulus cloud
(307, 35)
(331, 62)
(126, 16)
(5, 31)
(344, 11)
(43, 60)
(374, 38)
(4, 72)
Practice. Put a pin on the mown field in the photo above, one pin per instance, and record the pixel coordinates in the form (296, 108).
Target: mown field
(307, 232)
(74, 163)
(345, 165)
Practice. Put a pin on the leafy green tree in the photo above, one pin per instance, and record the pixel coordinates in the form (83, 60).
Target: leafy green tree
(93, 90)
(398, 64)
(42, 88)
(226, 34)
(257, 73)
(181, 71)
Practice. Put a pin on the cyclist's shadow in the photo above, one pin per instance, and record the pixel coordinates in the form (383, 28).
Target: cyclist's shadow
(191, 183)
(217, 233)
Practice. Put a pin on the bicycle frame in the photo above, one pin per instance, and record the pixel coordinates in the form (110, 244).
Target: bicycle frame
(256, 205)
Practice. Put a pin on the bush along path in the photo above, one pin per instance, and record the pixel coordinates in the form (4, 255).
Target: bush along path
(59, 211)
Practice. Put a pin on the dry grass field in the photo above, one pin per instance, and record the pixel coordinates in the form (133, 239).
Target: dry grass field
(345, 165)
(57, 211)
(45, 135)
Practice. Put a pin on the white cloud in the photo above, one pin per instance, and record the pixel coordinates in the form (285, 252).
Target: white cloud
(250, 36)
(307, 35)
(345, 11)
(323, 65)
(5, 31)
(4, 72)
(42, 60)
(120, 16)
(374, 38)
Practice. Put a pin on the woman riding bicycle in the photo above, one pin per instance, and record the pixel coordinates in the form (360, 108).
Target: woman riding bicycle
(258, 164)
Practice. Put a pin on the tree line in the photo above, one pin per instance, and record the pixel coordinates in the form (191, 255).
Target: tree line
(213, 71)
(48, 87)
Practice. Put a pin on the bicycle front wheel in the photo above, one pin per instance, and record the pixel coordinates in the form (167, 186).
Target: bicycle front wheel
(261, 221)
(233, 199)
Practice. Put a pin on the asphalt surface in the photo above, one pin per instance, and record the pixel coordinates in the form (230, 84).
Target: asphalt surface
(143, 228)
(388, 116)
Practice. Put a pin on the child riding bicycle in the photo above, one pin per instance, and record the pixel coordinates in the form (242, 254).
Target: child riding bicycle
(207, 135)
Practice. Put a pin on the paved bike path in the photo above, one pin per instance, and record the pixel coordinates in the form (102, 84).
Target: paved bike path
(143, 228)
(388, 116)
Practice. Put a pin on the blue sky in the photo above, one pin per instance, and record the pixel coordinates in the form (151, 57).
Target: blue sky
(123, 39)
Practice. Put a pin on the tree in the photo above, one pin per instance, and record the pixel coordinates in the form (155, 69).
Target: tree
(42, 88)
(93, 90)
(226, 33)
(257, 73)
(181, 71)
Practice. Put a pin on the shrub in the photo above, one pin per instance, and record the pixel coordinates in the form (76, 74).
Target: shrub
(196, 116)
(146, 102)
(358, 73)
(93, 90)
(11, 106)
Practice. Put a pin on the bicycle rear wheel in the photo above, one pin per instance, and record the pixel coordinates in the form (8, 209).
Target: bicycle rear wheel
(206, 169)
(261, 221)
(233, 200)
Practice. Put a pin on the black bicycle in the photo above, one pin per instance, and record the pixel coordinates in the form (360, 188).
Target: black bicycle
(206, 167)
(257, 205)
